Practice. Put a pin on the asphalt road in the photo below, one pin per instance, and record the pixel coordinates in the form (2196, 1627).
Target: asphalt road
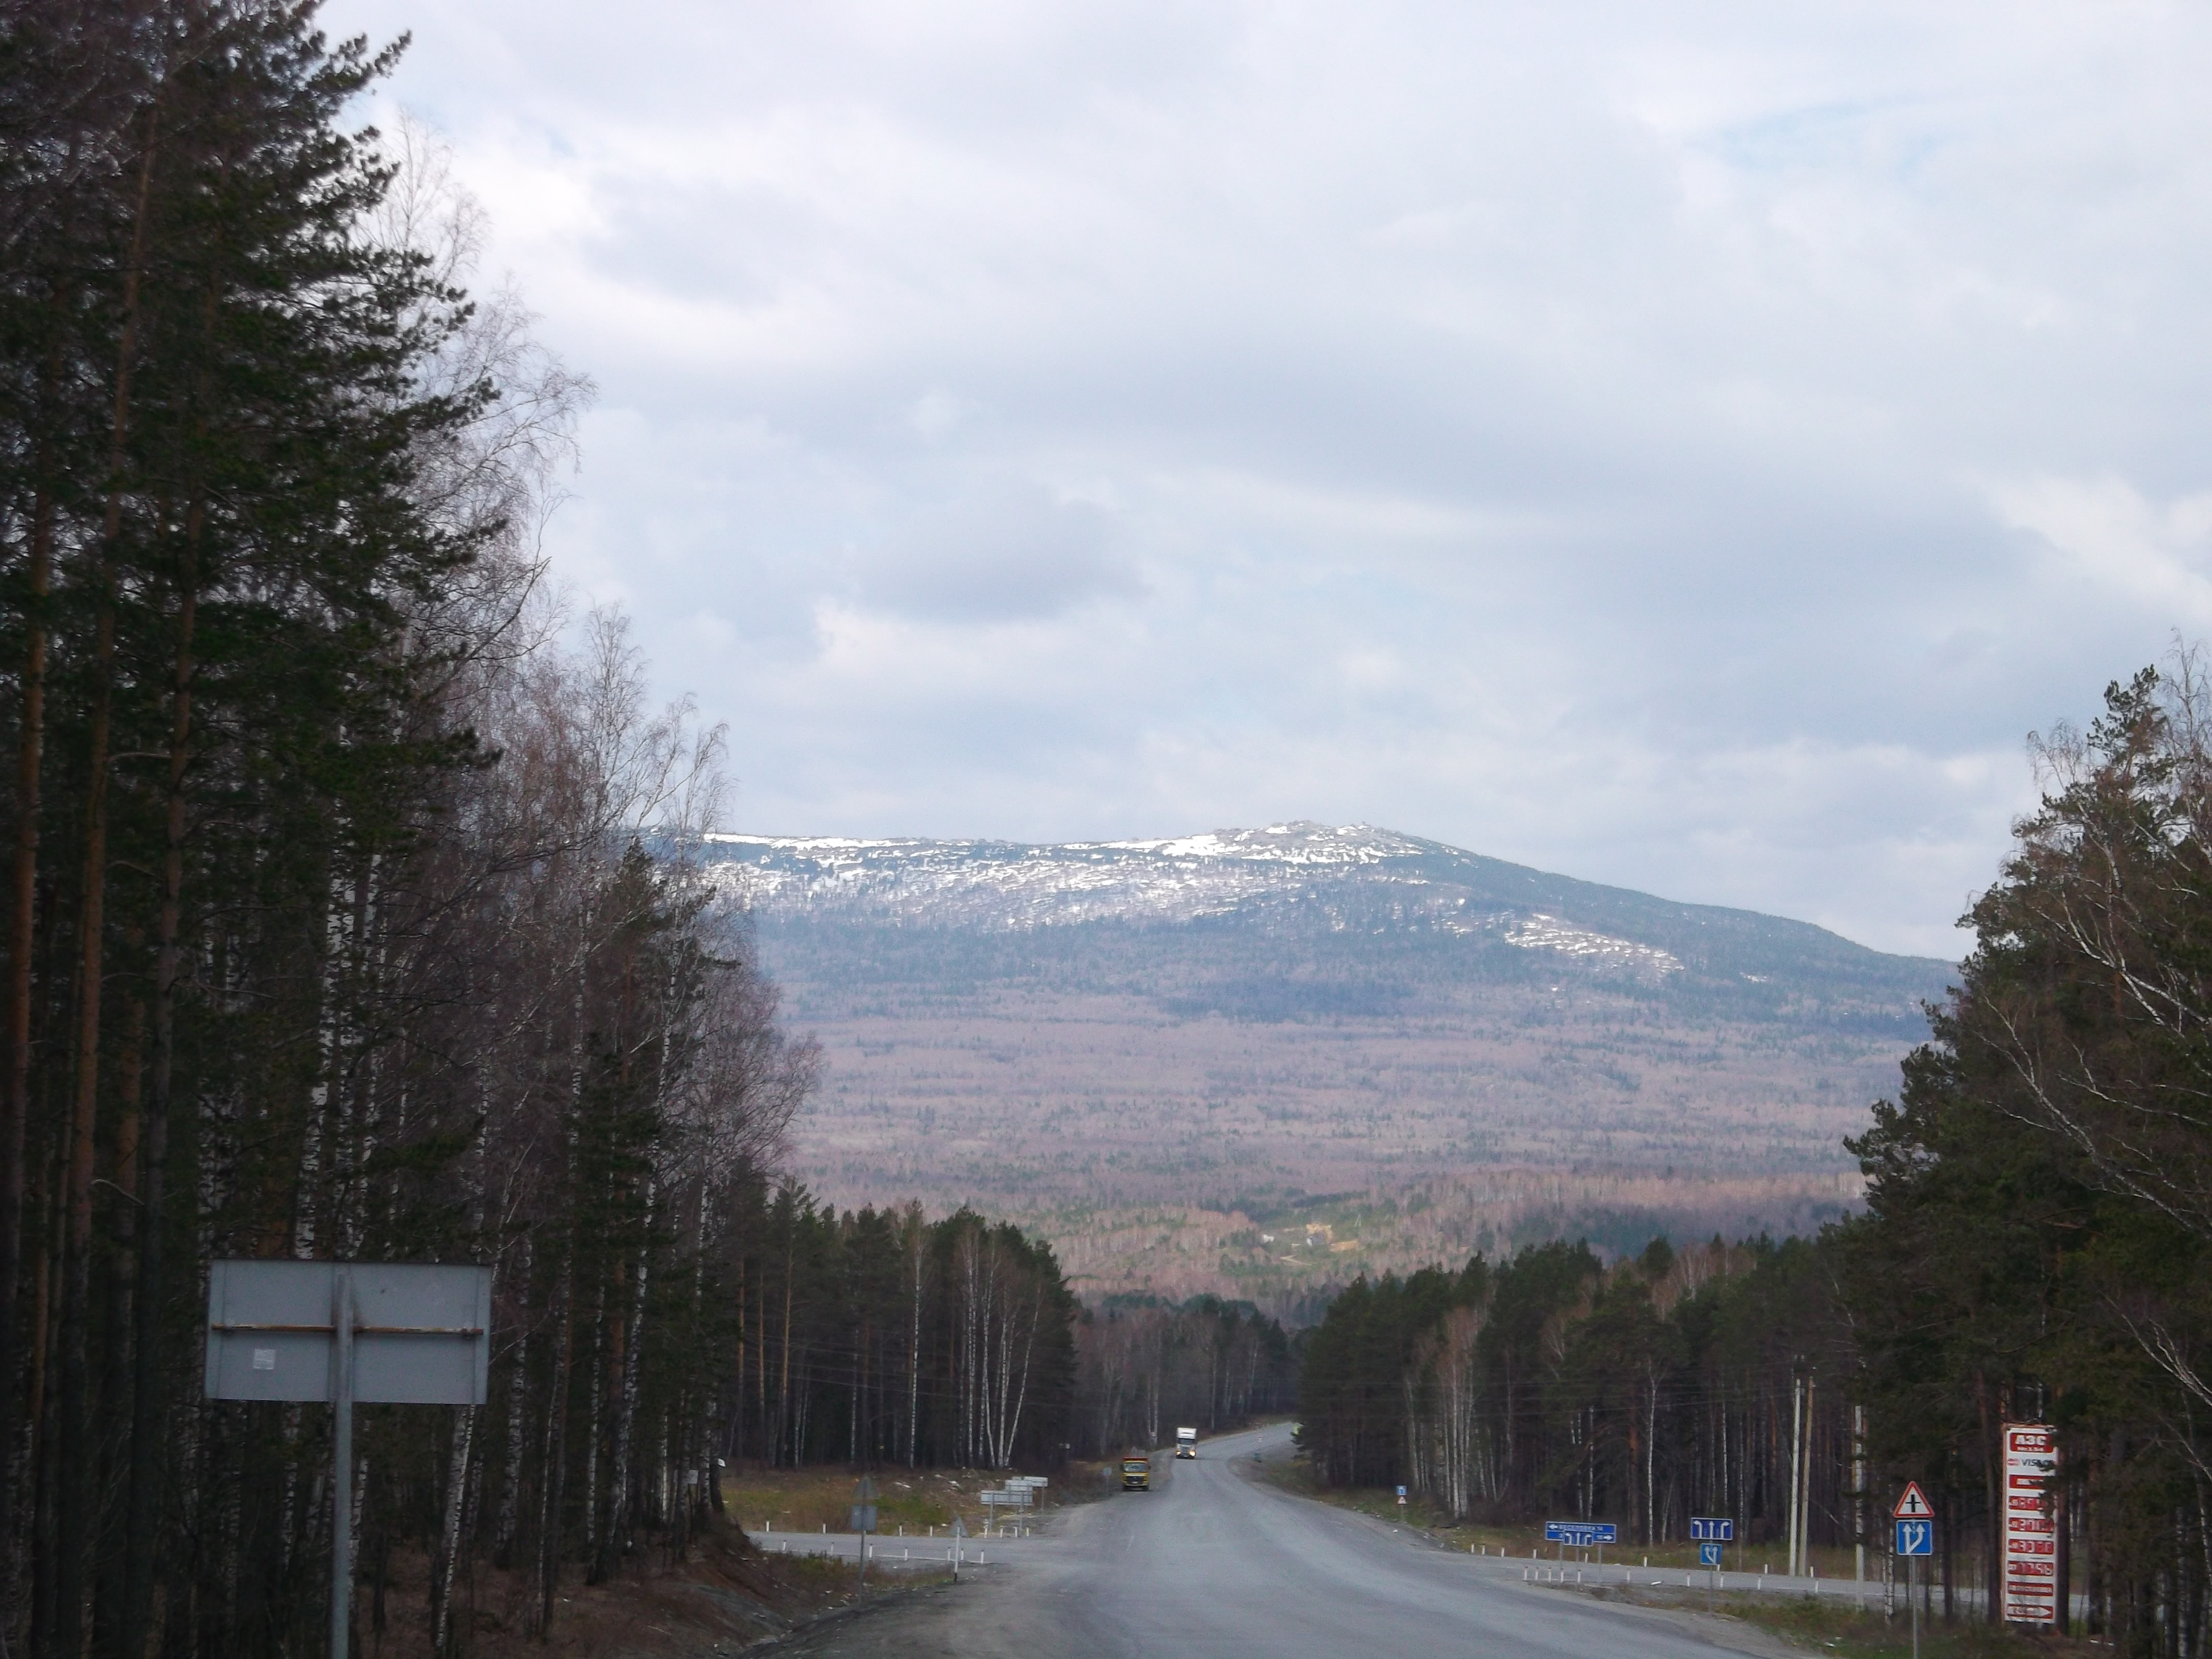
(1215, 1565)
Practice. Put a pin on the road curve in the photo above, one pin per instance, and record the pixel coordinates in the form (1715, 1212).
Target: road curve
(1215, 1566)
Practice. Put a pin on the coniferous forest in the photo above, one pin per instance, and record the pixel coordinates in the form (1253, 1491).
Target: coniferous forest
(349, 912)
(2036, 1246)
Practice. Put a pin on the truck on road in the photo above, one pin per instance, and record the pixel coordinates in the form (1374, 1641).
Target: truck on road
(1137, 1473)
(1186, 1443)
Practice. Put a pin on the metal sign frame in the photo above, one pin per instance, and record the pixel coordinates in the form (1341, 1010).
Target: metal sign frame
(332, 1332)
(421, 1332)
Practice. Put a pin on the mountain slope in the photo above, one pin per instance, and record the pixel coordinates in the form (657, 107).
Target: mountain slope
(1175, 1045)
(1307, 881)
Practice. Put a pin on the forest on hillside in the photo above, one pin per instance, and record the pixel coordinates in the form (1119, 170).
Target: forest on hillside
(2036, 1247)
(349, 916)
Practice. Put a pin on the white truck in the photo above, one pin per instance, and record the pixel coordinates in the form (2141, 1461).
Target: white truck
(1186, 1443)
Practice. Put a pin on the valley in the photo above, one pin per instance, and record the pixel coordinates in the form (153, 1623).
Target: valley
(1260, 1061)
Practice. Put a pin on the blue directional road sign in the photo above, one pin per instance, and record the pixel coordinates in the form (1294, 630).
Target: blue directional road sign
(1916, 1538)
(1711, 1528)
(1581, 1534)
(1709, 1555)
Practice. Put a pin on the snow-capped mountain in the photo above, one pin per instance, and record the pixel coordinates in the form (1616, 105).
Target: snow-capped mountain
(1011, 885)
(1121, 1029)
(1295, 877)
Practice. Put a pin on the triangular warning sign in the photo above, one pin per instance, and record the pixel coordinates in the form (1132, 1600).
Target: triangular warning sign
(1914, 1505)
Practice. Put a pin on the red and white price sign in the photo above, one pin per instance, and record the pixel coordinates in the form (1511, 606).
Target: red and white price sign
(2031, 1527)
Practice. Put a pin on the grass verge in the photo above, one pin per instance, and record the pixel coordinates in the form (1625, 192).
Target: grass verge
(1828, 1627)
(909, 1503)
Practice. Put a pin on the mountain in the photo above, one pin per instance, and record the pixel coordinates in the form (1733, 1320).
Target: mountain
(1200, 1041)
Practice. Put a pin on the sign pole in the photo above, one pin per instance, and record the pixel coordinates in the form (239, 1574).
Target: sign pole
(341, 1460)
(338, 1334)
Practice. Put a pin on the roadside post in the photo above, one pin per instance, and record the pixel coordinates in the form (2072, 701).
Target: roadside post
(335, 1332)
(959, 1537)
(863, 1518)
(1916, 1538)
(1711, 1534)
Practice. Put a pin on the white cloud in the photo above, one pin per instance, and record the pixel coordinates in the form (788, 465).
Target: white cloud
(1564, 430)
(2105, 535)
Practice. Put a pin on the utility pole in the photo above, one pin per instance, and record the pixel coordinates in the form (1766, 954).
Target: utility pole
(1796, 1460)
(1858, 1488)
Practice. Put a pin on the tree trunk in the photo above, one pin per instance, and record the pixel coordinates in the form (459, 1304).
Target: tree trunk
(553, 1464)
(22, 922)
(783, 1388)
(140, 1520)
(913, 1350)
(76, 1378)
(23, 933)
(517, 1384)
(122, 1271)
(449, 1532)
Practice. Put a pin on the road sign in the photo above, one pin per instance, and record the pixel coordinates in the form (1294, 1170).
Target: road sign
(394, 1332)
(863, 1517)
(1581, 1534)
(1709, 1555)
(1916, 1538)
(1914, 1505)
(2030, 1530)
(420, 1333)
(1401, 1494)
(1717, 1528)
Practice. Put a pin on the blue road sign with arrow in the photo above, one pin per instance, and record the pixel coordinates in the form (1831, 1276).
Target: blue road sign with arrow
(1916, 1538)
(1581, 1533)
(1711, 1528)
(1709, 1555)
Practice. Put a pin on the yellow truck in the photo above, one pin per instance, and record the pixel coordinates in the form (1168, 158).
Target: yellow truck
(1136, 1472)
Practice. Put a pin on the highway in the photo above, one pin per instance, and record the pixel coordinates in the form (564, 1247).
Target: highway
(1217, 1566)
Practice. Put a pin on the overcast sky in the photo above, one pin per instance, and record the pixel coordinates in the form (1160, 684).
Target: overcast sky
(1686, 447)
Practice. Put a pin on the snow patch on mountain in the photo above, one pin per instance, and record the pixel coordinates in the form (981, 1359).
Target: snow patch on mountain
(1542, 932)
(1010, 885)
(990, 885)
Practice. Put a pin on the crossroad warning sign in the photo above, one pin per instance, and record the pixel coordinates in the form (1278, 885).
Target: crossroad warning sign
(1914, 1505)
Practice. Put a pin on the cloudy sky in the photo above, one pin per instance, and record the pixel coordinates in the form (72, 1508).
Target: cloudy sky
(1683, 445)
